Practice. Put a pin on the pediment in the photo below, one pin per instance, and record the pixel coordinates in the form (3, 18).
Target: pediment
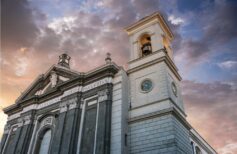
(48, 81)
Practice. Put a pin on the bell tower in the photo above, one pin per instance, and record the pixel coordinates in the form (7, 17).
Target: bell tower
(155, 95)
(149, 35)
(152, 72)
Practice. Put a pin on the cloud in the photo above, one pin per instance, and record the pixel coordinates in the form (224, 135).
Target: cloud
(221, 26)
(21, 66)
(230, 64)
(211, 109)
(229, 149)
(18, 28)
(62, 24)
(216, 25)
(3, 117)
(175, 20)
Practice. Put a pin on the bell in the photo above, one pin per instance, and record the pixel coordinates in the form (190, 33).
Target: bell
(146, 49)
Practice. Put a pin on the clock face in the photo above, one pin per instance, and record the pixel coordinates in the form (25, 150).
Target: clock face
(146, 85)
(174, 88)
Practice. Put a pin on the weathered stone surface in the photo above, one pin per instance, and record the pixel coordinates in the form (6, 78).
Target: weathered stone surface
(162, 134)
(56, 144)
(87, 144)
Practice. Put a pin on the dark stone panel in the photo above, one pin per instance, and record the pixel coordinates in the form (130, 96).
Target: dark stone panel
(3, 140)
(100, 138)
(88, 135)
(75, 131)
(56, 142)
(68, 132)
(10, 143)
(22, 137)
(13, 140)
(104, 124)
(24, 140)
(108, 125)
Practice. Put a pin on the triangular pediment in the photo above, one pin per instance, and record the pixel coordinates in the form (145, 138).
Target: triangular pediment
(48, 81)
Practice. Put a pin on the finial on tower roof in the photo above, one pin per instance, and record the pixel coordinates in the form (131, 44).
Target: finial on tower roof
(108, 59)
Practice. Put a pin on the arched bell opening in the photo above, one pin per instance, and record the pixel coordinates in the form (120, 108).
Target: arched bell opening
(145, 43)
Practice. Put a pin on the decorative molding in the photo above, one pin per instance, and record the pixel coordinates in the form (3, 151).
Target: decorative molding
(102, 95)
(41, 91)
(72, 105)
(66, 93)
(47, 121)
(97, 84)
(63, 78)
(20, 122)
(7, 129)
(92, 102)
(14, 129)
(63, 108)
(68, 105)
(53, 79)
(27, 119)
(83, 105)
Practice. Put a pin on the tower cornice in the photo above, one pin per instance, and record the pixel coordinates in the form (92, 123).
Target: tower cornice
(154, 18)
(165, 58)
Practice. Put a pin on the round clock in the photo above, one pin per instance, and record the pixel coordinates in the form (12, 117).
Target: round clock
(146, 85)
(174, 88)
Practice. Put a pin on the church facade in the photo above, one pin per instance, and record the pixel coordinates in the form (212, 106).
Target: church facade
(107, 110)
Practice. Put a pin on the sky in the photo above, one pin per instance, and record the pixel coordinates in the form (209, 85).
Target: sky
(35, 32)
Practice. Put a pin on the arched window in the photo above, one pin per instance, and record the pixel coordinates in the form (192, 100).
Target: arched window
(44, 142)
(145, 42)
(198, 151)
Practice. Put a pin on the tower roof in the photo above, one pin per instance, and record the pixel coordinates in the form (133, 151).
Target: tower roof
(153, 18)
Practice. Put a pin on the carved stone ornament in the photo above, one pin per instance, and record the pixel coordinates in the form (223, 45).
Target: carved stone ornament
(47, 121)
(53, 79)
(72, 105)
(20, 122)
(66, 93)
(27, 119)
(102, 95)
(7, 129)
(63, 107)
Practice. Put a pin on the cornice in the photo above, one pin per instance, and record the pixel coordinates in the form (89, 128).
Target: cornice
(170, 110)
(105, 71)
(157, 17)
(165, 59)
(201, 141)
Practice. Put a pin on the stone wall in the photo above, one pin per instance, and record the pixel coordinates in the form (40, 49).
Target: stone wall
(119, 113)
(158, 135)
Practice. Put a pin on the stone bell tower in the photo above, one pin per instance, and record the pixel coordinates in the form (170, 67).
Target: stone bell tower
(157, 120)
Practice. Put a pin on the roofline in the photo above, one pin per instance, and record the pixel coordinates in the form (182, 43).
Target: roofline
(199, 137)
(90, 73)
(160, 19)
(39, 77)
